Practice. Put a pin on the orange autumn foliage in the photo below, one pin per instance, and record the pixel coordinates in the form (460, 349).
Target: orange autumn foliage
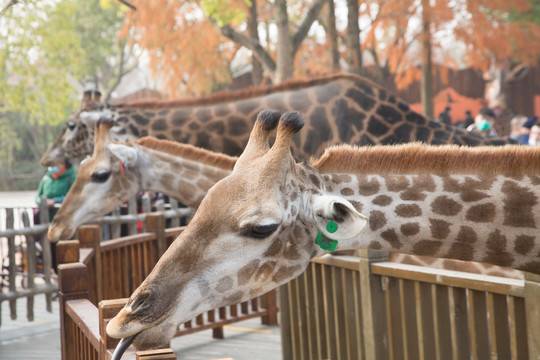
(186, 52)
(481, 25)
(188, 56)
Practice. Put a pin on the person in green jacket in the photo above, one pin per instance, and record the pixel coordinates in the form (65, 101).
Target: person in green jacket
(55, 185)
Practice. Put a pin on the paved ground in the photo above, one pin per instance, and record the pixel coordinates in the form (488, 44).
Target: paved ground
(40, 339)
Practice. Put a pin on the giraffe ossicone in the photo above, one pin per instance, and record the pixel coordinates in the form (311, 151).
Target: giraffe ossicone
(271, 209)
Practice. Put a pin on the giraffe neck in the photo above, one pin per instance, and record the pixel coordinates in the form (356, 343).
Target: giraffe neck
(337, 109)
(182, 172)
(492, 219)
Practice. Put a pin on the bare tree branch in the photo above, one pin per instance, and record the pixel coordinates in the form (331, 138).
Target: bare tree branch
(128, 4)
(8, 6)
(303, 30)
(258, 51)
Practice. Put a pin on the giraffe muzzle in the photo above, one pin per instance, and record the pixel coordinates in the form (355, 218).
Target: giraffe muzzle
(122, 347)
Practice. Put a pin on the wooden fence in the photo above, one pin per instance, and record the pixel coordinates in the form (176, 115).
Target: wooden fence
(83, 324)
(113, 269)
(21, 243)
(26, 263)
(368, 308)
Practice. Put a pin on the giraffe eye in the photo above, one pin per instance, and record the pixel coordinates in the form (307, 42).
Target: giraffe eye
(71, 125)
(100, 176)
(259, 231)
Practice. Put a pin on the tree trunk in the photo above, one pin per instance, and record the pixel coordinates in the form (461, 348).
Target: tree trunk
(332, 35)
(426, 89)
(354, 52)
(256, 72)
(285, 58)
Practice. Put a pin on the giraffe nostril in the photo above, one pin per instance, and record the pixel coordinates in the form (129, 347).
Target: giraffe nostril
(139, 300)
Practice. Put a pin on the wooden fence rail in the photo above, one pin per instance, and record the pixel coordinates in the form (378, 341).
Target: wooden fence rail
(368, 308)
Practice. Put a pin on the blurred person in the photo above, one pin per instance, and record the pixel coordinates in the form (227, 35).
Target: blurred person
(516, 126)
(469, 120)
(444, 116)
(526, 130)
(534, 136)
(483, 123)
(54, 185)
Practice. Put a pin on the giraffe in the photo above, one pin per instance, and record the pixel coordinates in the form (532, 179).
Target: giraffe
(119, 170)
(259, 227)
(180, 171)
(340, 108)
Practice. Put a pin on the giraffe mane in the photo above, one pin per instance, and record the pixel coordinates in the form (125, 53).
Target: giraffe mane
(414, 158)
(227, 96)
(189, 152)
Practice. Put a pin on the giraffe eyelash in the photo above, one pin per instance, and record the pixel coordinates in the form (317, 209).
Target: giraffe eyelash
(259, 231)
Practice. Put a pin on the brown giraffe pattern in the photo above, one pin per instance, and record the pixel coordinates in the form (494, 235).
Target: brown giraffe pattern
(337, 109)
(489, 219)
(256, 228)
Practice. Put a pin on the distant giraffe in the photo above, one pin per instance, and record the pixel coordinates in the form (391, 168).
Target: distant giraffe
(118, 170)
(338, 109)
(259, 227)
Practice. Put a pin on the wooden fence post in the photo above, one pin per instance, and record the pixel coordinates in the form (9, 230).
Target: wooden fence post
(156, 223)
(90, 237)
(373, 305)
(532, 309)
(269, 301)
(72, 284)
(107, 310)
(31, 266)
(46, 248)
(132, 210)
(67, 251)
(12, 270)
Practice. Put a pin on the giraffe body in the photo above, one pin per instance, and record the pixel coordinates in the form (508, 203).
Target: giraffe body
(337, 109)
(256, 228)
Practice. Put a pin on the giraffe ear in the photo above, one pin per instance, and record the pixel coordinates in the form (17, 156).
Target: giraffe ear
(127, 155)
(350, 223)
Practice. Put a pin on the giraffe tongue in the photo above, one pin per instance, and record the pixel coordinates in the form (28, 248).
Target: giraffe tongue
(122, 347)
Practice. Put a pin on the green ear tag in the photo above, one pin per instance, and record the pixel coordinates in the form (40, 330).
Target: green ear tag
(326, 243)
(331, 227)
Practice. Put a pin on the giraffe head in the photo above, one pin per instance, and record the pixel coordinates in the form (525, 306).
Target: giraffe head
(102, 184)
(77, 138)
(254, 230)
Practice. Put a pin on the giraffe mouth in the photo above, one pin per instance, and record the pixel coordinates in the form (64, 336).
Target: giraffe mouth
(122, 347)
